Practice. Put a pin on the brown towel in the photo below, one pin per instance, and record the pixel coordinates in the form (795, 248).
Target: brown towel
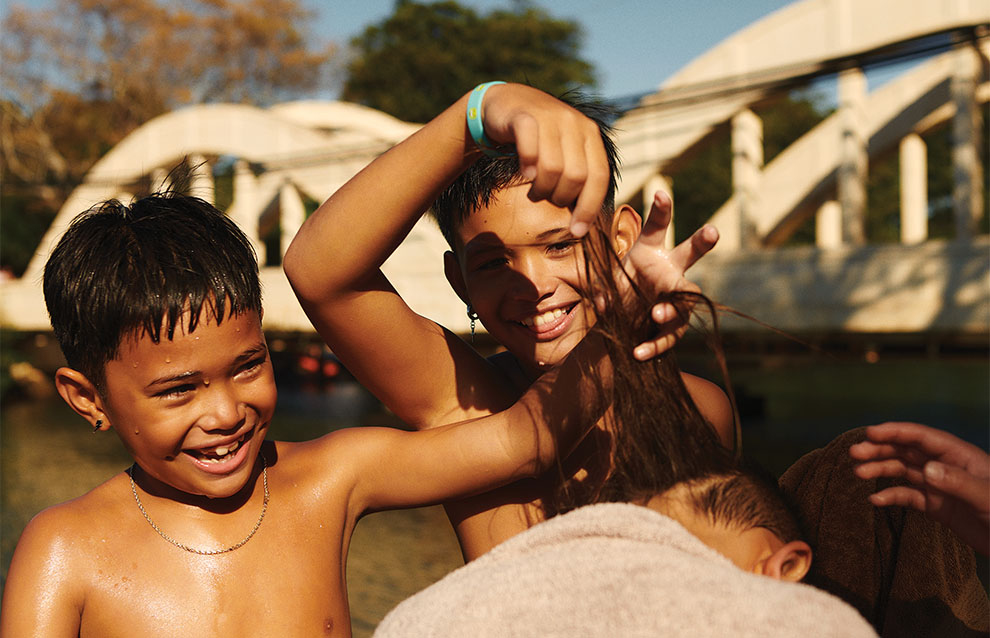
(906, 574)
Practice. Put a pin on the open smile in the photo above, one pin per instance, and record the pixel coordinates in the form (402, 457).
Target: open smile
(549, 324)
(223, 458)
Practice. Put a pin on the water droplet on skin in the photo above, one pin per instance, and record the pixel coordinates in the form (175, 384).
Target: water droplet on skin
(168, 359)
(206, 382)
(137, 431)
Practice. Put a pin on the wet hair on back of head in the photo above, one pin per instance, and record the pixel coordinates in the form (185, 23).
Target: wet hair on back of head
(145, 268)
(480, 183)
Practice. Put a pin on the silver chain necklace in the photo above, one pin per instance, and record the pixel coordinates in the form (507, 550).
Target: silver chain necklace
(204, 552)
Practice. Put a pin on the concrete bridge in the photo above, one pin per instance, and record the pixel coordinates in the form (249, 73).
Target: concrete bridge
(309, 149)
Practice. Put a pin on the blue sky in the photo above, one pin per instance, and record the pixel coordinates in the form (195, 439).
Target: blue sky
(634, 44)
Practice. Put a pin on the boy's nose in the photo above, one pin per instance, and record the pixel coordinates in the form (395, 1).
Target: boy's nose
(225, 411)
(534, 280)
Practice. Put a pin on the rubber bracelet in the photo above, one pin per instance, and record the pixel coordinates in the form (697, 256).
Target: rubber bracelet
(475, 125)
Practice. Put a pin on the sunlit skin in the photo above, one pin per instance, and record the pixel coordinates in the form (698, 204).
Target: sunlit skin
(95, 567)
(519, 261)
(172, 401)
(756, 550)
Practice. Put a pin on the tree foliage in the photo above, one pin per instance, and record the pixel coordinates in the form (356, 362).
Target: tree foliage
(82, 75)
(424, 56)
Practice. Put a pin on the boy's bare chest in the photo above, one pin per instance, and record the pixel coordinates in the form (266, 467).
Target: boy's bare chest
(286, 581)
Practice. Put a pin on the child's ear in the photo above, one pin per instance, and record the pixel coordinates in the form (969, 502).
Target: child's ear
(790, 562)
(626, 226)
(452, 270)
(81, 395)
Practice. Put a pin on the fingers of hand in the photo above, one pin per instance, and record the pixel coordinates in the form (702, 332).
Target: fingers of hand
(901, 495)
(890, 468)
(654, 231)
(869, 451)
(660, 344)
(694, 247)
(959, 483)
(589, 202)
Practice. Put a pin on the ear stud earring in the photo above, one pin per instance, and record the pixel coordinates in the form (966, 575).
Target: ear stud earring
(97, 426)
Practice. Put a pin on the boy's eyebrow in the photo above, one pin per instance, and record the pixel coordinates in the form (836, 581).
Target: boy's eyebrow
(487, 242)
(250, 353)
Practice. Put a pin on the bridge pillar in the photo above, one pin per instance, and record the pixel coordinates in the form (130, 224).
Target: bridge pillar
(247, 195)
(747, 172)
(854, 155)
(967, 192)
(914, 190)
(159, 180)
(828, 225)
(659, 183)
(201, 182)
(292, 214)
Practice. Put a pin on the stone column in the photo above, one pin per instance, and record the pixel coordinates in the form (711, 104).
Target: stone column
(854, 156)
(201, 182)
(292, 214)
(747, 173)
(828, 225)
(914, 190)
(967, 192)
(659, 183)
(159, 180)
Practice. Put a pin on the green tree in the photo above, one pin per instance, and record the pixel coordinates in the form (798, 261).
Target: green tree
(424, 56)
(82, 75)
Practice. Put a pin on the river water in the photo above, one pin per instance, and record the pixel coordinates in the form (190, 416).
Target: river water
(790, 405)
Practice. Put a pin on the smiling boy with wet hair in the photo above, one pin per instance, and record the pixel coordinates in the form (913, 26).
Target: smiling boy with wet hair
(515, 263)
(157, 305)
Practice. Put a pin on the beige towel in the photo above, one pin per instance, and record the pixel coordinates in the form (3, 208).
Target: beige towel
(615, 570)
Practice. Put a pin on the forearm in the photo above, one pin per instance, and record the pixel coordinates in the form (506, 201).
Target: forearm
(556, 412)
(346, 240)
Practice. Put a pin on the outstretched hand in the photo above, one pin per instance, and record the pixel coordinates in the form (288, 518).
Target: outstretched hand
(949, 479)
(560, 150)
(658, 270)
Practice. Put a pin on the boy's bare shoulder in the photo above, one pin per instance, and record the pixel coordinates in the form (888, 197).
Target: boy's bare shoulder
(55, 550)
(81, 519)
(713, 404)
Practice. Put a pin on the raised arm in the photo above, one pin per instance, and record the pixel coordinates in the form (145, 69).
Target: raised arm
(948, 478)
(421, 371)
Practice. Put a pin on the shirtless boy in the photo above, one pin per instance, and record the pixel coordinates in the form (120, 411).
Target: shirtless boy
(214, 530)
(514, 259)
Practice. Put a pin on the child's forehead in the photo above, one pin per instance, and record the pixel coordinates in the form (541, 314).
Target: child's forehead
(182, 326)
(513, 214)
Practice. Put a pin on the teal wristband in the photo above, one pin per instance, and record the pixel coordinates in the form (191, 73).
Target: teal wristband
(476, 127)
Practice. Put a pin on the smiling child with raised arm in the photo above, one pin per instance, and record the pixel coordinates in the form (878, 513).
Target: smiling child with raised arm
(215, 530)
(513, 224)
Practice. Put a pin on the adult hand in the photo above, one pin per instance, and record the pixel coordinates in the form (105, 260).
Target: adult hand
(649, 262)
(949, 479)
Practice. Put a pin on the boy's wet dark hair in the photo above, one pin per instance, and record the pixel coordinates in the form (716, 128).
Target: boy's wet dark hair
(746, 498)
(477, 186)
(658, 438)
(138, 269)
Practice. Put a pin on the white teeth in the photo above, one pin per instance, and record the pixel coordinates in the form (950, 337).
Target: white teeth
(219, 453)
(544, 318)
